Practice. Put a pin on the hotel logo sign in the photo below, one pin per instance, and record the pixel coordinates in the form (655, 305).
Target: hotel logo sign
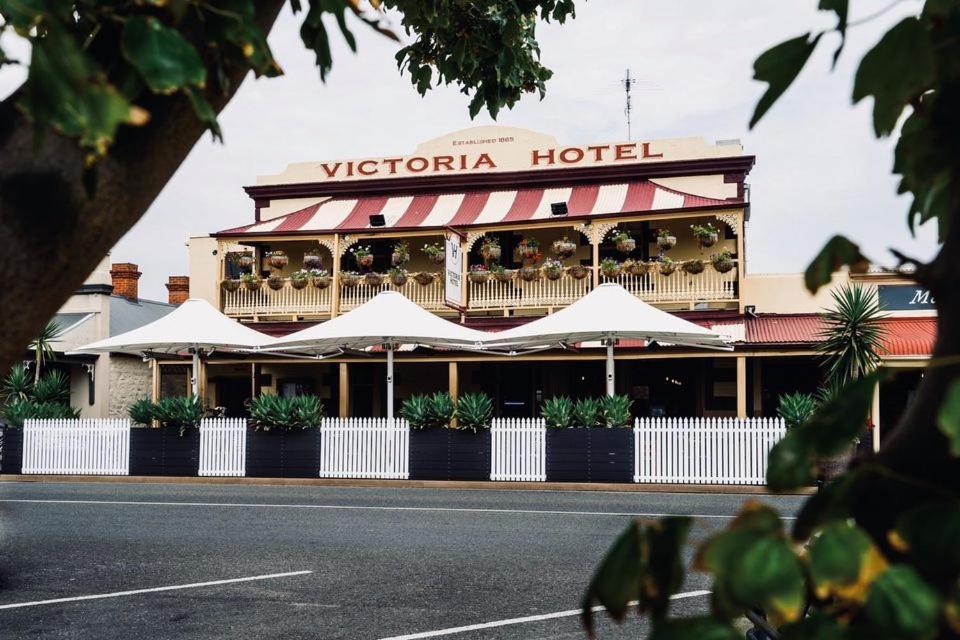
(905, 297)
(452, 280)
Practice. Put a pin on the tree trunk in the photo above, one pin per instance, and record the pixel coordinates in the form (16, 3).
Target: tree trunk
(52, 234)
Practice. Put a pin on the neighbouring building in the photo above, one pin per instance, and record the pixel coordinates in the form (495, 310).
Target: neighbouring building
(464, 189)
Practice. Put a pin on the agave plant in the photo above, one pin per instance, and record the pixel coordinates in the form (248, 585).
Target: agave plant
(557, 412)
(42, 346)
(797, 408)
(270, 411)
(18, 384)
(615, 411)
(586, 412)
(441, 410)
(474, 411)
(181, 411)
(852, 335)
(141, 411)
(54, 410)
(307, 412)
(53, 387)
(16, 412)
(416, 411)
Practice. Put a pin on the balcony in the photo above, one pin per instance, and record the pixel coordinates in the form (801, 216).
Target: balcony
(429, 296)
(287, 301)
(520, 294)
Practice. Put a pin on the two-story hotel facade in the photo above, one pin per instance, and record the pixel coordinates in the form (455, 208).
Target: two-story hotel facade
(519, 190)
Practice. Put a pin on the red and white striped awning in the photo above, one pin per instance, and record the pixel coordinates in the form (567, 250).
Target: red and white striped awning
(477, 208)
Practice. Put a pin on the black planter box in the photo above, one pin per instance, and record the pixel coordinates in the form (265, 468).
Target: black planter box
(449, 454)
(164, 452)
(590, 455)
(11, 450)
(283, 454)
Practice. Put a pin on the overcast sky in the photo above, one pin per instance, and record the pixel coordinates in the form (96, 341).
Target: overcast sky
(819, 170)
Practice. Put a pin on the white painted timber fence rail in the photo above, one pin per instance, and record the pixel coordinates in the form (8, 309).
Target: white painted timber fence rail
(73, 446)
(364, 448)
(519, 449)
(223, 447)
(704, 450)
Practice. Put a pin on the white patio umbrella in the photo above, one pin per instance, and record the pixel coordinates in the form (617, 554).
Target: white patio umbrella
(193, 327)
(606, 314)
(388, 319)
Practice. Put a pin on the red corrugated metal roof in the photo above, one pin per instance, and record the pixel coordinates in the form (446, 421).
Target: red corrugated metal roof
(775, 329)
(912, 336)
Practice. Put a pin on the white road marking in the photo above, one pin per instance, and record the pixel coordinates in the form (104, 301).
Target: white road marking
(511, 621)
(133, 592)
(247, 505)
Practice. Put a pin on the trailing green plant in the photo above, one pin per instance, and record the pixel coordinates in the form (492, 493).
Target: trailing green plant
(474, 411)
(53, 387)
(141, 411)
(557, 412)
(852, 335)
(416, 411)
(441, 409)
(615, 411)
(796, 408)
(18, 385)
(184, 412)
(586, 412)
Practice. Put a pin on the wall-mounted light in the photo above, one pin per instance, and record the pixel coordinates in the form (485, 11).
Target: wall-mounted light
(558, 208)
(377, 220)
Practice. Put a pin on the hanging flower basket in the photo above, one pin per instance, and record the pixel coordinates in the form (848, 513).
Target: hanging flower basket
(666, 240)
(722, 262)
(434, 252)
(693, 267)
(490, 250)
(398, 276)
(246, 260)
(251, 281)
(553, 269)
(320, 282)
(277, 259)
(667, 266)
(626, 246)
(578, 271)
(706, 235)
(424, 278)
(610, 268)
(528, 249)
(563, 248)
(636, 267)
(275, 282)
(230, 285)
(312, 261)
(299, 282)
(479, 276)
(373, 279)
(505, 275)
(349, 278)
(529, 274)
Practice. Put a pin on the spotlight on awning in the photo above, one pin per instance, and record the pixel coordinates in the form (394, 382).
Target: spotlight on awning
(558, 208)
(377, 220)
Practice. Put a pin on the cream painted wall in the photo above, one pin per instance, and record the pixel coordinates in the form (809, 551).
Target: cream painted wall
(786, 292)
(204, 268)
(711, 186)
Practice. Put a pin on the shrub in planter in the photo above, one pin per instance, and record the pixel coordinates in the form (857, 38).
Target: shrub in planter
(275, 282)
(693, 267)
(722, 261)
(529, 249)
(529, 274)
(474, 411)
(362, 256)
(577, 271)
(796, 408)
(586, 412)
(48, 398)
(615, 411)
(557, 412)
(230, 285)
(400, 255)
(300, 279)
(552, 269)
(141, 412)
(398, 276)
(272, 412)
(623, 241)
(666, 240)
(53, 386)
(17, 412)
(349, 278)
(320, 278)
(706, 235)
(667, 266)
(502, 274)
(490, 249)
(373, 279)
(564, 248)
(181, 412)
(277, 259)
(416, 411)
(441, 409)
(610, 268)
(478, 273)
(251, 281)
(434, 252)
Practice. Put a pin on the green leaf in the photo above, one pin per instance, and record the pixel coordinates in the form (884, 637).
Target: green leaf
(841, 8)
(901, 606)
(204, 111)
(837, 252)
(790, 463)
(843, 562)
(616, 582)
(929, 535)
(779, 67)
(895, 72)
(163, 57)
(948, 417)
(702, 628)
(816, 625)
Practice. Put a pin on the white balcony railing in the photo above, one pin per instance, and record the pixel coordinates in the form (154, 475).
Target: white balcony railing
(429, 296)
(285, 301)
(709, 285)
(519, 294)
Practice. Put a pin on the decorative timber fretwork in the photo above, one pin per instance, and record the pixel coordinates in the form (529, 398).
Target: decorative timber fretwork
(329, 243)
(731, 219)
(346, 242)
(472, 238)
(594, 232)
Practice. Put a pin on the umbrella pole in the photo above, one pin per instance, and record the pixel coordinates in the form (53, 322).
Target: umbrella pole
(195, 373)
(610, 372)
(390, 381)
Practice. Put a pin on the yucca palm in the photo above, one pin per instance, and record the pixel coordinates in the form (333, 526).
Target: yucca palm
(852, 337)
(42, 346)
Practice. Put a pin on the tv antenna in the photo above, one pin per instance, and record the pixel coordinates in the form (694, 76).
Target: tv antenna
(627, 83)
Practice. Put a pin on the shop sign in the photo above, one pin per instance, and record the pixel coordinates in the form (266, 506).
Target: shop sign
(904, 297)
(453, 279)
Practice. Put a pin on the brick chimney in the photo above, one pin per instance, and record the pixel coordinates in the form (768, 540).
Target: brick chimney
(178, 289)
(125, 276)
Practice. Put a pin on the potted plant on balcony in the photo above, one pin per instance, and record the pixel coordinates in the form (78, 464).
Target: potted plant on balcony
(362, 256)
(349, 278)
(373, 279)
(490, 249)
(577, 271)
(398, 276)
(434, 252)
(245, 259)
(564, 248)
(502, 274)
(275, 281)
(692, 267)
(552, 269)
(529, 273)
(400, 255)
(312, 259)
(610, 268)
(623, 241)
(277, 259)
(706, 235)
(424, 278)
(251, 281)
(320, 278)
(722, 261)
(230, 284)
(529, 249)
(636, 267)
(300, 278)
(666, 240)
(666, 266)
(478, 273)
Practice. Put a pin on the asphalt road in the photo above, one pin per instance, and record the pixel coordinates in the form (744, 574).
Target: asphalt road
(382, 563)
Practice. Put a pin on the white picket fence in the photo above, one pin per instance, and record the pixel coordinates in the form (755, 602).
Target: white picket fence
(704, 450)
(71, 446)
(519, 449)
(223, 447)
(364, 448)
